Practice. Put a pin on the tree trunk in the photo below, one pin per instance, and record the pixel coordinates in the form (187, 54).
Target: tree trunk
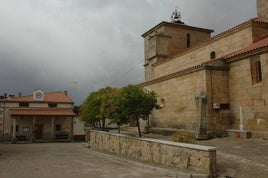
(103, 124)
(139, 129)
(99, 124)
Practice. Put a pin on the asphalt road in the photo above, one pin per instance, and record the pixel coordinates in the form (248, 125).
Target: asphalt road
(63, 160)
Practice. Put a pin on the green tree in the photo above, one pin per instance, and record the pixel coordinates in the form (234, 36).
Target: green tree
(136, 103)
(90, 109)
(97, 106)
(106, 96)
(117, 112)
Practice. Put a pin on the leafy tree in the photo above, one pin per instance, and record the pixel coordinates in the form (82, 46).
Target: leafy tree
(117, 112)
(106, 96)
(136, 103)
(119, 105)
(90, 109)
(97, 106)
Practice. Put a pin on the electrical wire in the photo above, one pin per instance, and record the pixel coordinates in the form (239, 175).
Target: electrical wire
(124, 74)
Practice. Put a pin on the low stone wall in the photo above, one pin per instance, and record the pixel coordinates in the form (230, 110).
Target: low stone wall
(201, 159)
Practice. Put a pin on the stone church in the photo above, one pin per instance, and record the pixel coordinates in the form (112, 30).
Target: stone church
(209, 85)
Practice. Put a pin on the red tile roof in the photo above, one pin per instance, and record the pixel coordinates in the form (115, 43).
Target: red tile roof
(55, 97)
(41, 112)
(260, 20)
(262, 43)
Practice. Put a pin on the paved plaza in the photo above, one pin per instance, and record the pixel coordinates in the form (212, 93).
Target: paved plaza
(64, 160)
(236, 158)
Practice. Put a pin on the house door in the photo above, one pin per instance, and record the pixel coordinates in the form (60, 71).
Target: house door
(38, 131)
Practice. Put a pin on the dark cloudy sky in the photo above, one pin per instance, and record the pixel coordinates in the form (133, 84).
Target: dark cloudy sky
(84, 45)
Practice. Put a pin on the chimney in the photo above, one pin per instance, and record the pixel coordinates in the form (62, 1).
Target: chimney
(66, 92)
(19, 94)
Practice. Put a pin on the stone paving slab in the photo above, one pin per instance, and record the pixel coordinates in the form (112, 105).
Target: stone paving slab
(165, 171)
(65, 160)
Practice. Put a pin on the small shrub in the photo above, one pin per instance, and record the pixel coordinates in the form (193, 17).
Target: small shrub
(183, 136)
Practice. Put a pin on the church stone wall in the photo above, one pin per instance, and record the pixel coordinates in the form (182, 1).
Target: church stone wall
(195, 56)
(248, 102)
(166, 40)
(178, 42)
(242, 105)
(177, 98)
(180, 106)
(217, 93)
(262, 7)
(259, 30)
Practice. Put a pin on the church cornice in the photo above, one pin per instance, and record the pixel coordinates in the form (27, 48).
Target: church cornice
(217, 64)
(176, 25)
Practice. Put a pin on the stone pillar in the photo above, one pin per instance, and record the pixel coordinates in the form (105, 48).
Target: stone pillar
(33, 130)
(202, 120)
(52, 128)
(14, 131)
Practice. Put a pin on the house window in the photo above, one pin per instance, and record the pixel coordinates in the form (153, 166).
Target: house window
(213, 55)
(188, 40)
(256, 73)
(24, 104)
(52, 105)
(58, 127)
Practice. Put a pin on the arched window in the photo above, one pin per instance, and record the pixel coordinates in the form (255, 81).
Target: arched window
(188, 40)
(213, 55)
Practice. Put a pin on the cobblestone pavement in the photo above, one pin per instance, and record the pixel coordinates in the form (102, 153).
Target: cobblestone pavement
(63, 160)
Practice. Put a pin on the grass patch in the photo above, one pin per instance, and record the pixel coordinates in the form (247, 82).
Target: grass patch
(184, 137)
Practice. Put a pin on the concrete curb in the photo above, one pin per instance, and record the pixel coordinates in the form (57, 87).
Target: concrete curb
(146, 166)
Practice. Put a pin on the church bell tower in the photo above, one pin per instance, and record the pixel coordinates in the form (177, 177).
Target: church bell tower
(262, 9)
(169, 38)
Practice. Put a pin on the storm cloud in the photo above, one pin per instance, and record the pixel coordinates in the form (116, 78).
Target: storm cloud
(83, 45)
